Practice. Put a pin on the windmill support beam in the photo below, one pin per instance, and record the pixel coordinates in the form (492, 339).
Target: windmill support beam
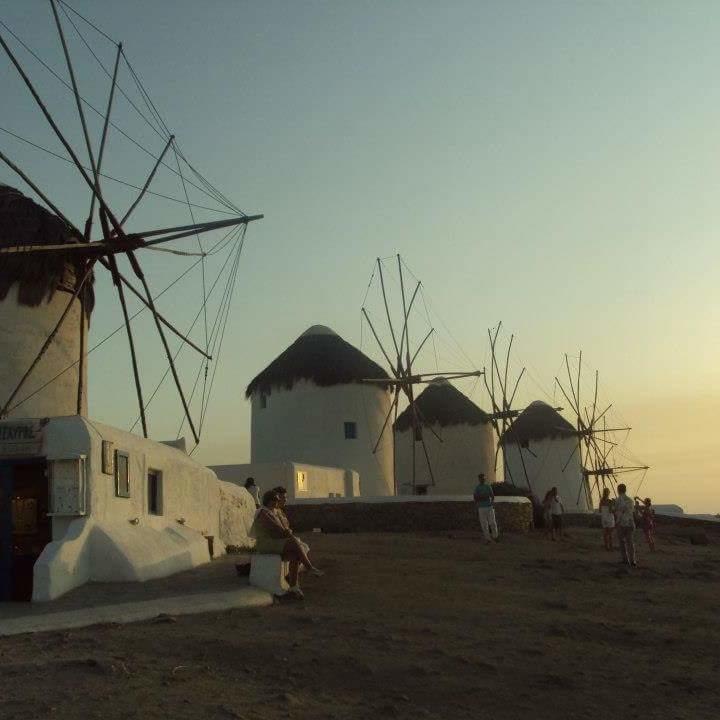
(147, 182)
(131, 341)
(151, 304)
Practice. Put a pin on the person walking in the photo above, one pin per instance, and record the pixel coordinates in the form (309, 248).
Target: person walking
(485, 503)
(607, 519)
(625, 523)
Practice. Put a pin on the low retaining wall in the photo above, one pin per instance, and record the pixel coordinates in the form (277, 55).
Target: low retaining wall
(404, 516)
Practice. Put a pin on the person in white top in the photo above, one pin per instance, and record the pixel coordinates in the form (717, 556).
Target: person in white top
(607, 519)
(556, 508)
(625, 522)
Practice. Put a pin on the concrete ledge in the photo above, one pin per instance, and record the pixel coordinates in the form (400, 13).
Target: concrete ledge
(245, 597)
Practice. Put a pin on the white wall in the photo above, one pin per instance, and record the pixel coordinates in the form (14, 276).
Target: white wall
(465, 451)
(321, 482)
(118, 539)
(23, 331)
(306, 424)
(544, 461)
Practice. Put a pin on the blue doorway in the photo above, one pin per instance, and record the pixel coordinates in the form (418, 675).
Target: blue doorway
(25, 528)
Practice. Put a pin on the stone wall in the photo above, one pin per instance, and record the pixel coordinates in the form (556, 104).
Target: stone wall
(440, 516)
(404, 517)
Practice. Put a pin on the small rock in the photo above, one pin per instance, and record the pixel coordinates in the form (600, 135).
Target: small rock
(698, 538)
(389, 710)
(290, 699)
(164, 618)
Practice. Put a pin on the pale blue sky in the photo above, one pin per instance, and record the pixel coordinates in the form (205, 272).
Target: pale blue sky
(550, 164)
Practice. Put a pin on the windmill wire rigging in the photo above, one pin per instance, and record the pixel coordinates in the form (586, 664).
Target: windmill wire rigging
(224, 241)
(112, 124)
(111, 177)
(235, 231)
(202, 264)
(84, 19)
(216, 330)
(106, 71)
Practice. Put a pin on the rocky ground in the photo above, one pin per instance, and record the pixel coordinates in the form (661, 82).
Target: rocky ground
(408, 626)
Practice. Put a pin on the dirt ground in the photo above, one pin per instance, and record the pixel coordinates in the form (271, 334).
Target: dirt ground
(409, 626)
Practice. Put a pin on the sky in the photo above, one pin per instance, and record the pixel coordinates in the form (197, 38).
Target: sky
(549, 165)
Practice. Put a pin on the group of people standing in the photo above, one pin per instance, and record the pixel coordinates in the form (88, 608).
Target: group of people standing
(274, 536)
(620, 514)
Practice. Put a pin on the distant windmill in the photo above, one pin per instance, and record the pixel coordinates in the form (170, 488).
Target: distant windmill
(504, 415)
(595, 443)
(400, 359)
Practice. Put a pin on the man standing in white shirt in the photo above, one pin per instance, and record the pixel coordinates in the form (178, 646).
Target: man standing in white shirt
(484, 502)
(625, 522)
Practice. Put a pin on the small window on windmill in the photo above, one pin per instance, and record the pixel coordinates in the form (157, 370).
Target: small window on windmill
(418, 433)
(122, 474)
(301, 481)
(263, 401)
(351, 431)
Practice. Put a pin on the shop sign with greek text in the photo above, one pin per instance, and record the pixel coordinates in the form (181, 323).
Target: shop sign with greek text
(23, 437)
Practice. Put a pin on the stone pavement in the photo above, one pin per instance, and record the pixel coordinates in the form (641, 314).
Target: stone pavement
(208, 588)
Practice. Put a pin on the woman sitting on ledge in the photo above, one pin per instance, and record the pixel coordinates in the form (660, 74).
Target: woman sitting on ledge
(274, 538)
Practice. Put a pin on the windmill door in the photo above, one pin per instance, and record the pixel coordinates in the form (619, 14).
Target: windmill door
(25, 527)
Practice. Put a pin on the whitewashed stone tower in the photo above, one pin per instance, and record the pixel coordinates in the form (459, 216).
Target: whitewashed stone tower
(541, 451)
(467, 447)
(310, 405)
(35, 289)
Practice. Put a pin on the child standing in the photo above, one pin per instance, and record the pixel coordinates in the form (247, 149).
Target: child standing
(607, 518)
(647, 522)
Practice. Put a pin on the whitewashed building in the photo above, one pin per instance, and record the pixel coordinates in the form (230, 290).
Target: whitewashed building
(311, 406)
(300, 480)
(81, 501)
(459, 439)
(541, 451)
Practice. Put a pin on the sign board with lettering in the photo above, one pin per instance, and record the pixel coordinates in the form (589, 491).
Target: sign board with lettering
(21, 438)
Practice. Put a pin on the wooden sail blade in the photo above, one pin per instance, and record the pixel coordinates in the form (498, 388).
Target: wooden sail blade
(103, 140)
(421, 345)
(149, 180)
(151, 305)
(131, 342)
(162, 319)
(387, 309)
(380, 345)
(393, 407)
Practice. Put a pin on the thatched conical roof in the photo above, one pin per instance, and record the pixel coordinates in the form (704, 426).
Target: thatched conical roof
(320, 356)
(24, 222)
(538, 421)
(442, 404)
